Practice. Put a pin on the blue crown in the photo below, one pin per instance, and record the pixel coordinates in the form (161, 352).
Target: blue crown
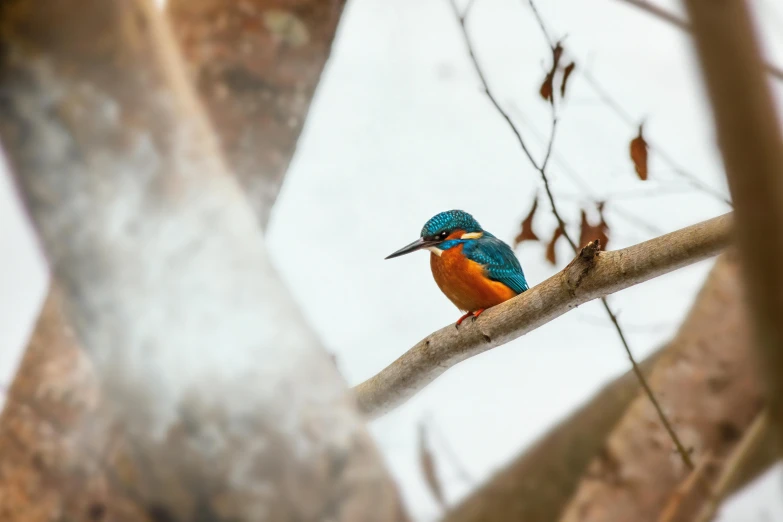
(450, 220)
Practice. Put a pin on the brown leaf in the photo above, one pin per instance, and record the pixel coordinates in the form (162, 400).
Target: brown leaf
(526, 233)
(551, 255)
(546, 88)
(639, 155)
(428, 467)
(590, 232)
(557, 52)
(566, 73)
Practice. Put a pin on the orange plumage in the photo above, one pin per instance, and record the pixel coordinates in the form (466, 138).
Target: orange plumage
(464, 282)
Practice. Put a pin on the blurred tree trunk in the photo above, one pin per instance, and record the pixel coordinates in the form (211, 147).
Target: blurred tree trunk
(537, 486)
(170, 293)
(256, 64)
(751, 144)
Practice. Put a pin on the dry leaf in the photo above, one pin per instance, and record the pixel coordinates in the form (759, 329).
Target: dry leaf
(566, 73)
(639, 155)
(590, 232)
(547, 90)
(551, 256)
(428, 467)
(557, 52)
(526, 233)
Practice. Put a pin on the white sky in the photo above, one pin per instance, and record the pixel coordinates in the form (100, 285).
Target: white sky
(399, 131)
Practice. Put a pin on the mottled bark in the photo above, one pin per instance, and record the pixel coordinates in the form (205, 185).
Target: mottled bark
(708, 385)
(751, 144)
(228, 407)
(46, 472)
(537, 485)
(256, 64)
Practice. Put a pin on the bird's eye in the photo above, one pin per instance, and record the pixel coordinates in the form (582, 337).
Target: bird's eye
(443, 234)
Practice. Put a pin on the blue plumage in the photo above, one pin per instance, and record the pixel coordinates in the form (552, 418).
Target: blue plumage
(496, 256)
(498, 260)
(450, 220)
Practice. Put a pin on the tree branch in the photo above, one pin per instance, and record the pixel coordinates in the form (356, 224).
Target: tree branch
(670, 18)
(750, 139)
(591, 275)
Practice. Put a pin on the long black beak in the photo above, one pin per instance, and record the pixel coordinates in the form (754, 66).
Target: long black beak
(416, 245)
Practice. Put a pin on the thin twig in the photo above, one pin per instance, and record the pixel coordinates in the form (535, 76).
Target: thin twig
(551, 138)
(754, 435)
(686, 458)
(485, 85)
(562, 224)
(624, 115)
(446, 448)
(684, 25)
(550, 42)
(585, 187)
(673, 507)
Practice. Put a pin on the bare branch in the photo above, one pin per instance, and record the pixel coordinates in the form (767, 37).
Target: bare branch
(749, 135)
(674, 20)
(591, 275)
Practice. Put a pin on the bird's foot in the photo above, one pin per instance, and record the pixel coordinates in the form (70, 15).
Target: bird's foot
(472, 315)
(459, 321)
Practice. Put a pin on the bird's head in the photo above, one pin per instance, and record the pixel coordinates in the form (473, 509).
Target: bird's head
(442, 232)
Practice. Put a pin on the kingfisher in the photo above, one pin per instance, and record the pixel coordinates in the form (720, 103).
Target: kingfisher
(475, 269)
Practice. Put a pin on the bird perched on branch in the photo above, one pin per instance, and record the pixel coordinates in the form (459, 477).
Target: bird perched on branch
(472, 267)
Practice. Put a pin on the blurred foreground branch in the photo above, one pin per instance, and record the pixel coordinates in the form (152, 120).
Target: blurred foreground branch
(750, 140)
(168, 287)
(662, 14)
(591, 275)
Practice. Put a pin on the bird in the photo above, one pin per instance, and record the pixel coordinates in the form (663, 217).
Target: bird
(472, 267)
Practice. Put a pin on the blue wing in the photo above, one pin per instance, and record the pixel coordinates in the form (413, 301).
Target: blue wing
(499, 261)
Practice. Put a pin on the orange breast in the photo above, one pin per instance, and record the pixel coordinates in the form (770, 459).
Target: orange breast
(464, 283)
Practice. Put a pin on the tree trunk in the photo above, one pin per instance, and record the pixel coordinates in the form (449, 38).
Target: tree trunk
(224, 404)
(751, 143)
(256, 64)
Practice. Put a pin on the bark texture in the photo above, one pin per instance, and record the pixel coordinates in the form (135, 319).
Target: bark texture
(46, 472)
(168, 288)
(256, 64)
(708, 385)
(751, 145)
